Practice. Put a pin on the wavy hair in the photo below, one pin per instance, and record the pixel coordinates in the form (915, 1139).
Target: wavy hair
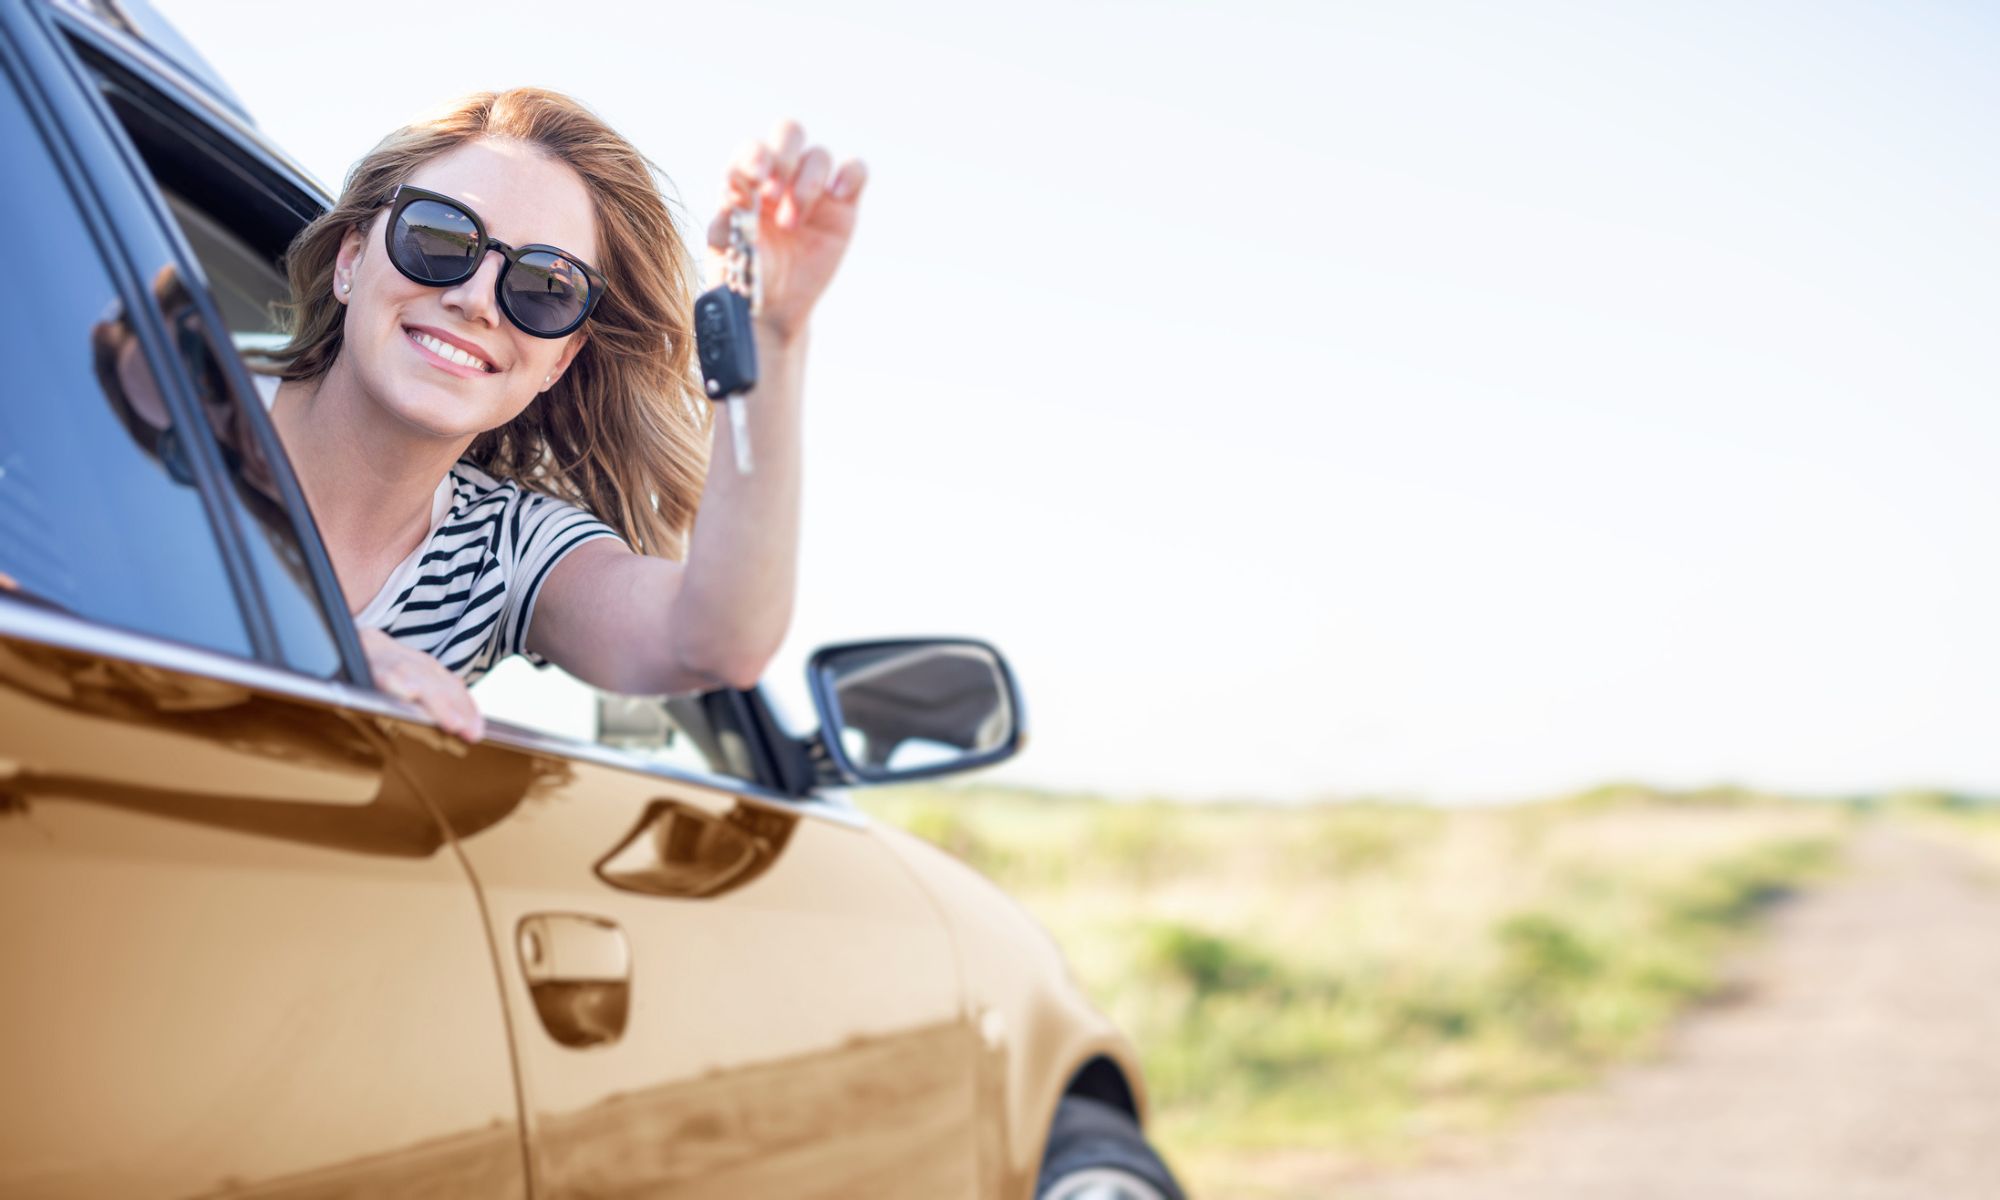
(625, 431)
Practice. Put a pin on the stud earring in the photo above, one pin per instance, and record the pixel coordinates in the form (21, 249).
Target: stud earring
(346, 287)
(546, 380)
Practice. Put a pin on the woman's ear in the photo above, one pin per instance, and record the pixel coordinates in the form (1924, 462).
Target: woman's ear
(344, 262)
(576, 342)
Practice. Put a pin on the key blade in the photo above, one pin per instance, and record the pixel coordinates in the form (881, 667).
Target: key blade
(739, 433)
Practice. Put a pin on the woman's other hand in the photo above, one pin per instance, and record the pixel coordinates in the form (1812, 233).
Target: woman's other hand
(806, 209)
(410, 674)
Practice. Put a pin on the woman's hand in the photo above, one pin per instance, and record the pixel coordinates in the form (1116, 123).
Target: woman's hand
(409, 674)
(806, 214)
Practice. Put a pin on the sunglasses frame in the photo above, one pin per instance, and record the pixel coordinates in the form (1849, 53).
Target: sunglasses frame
(408, 194)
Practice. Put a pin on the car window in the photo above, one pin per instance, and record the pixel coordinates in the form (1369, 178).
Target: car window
(99, 511)
(244, 283)
(236, 228)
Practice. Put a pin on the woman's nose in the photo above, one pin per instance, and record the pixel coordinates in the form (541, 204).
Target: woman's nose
(474, 299)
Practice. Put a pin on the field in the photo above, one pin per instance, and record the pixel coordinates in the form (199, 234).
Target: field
(1372, 981)
(1964, 821)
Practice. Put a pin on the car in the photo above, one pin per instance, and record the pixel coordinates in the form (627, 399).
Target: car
(269, 932)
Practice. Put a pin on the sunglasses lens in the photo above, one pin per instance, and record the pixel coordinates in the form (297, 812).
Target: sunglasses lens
(434, 242)
(546, 292)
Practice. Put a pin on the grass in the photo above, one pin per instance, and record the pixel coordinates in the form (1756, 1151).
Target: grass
(1364, 979)
(1970, 822)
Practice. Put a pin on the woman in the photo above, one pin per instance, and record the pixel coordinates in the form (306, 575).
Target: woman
(497, 473)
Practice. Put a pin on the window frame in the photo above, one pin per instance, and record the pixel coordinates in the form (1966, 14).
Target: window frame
(90, 54)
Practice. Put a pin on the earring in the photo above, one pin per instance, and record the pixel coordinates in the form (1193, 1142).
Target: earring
(346, 287)
(546, 379)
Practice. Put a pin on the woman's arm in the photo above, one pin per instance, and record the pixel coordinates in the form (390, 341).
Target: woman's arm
(635, 623)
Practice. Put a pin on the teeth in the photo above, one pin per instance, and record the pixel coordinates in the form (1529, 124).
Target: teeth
(447, 351)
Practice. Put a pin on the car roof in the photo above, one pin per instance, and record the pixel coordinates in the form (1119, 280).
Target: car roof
(172, 60)
(139, 20)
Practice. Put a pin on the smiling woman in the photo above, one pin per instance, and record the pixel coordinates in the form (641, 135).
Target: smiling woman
(490, 398)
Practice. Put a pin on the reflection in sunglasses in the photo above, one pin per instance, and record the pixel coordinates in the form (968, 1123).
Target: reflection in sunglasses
(450, 237)
(553, 275)
(439, 242)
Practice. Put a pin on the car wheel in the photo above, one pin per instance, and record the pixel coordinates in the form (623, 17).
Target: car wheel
(1096, 1152)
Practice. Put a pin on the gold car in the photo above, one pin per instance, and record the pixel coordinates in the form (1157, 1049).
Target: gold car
(269, 933)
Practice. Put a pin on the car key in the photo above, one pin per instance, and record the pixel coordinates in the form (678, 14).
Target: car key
(723, 338)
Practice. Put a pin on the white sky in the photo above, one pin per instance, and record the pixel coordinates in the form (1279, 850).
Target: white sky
(1421, 398)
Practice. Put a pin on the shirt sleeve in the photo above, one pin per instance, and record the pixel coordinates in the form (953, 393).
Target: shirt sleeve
(542, 529)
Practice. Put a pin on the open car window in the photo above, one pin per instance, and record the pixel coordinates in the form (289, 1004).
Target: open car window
(246, 285)
(238, 224)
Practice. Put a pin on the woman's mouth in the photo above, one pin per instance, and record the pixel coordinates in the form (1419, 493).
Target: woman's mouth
(447, 357)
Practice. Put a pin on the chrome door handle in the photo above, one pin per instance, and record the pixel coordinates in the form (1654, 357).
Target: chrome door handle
(579, 971)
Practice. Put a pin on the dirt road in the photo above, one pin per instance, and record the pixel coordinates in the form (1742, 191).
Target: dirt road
(1859, 1059)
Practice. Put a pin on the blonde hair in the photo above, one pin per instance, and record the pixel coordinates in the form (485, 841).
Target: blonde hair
(625, 431)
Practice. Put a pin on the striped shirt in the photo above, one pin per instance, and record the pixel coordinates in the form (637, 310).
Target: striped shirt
(465, 595)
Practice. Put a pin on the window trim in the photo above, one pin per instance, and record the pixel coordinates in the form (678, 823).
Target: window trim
(33, 623)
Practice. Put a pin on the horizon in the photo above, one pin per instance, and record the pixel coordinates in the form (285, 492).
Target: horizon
(975, 786)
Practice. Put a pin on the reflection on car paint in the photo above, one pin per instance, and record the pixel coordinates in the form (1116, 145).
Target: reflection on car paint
(224, 919)
(680, 850)
(795, 1022)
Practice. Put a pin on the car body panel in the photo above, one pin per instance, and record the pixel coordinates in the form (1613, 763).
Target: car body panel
(1037, 1028)
(784, 1014)
(222, 913)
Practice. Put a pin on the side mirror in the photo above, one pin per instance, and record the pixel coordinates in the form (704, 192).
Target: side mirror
(910, 709)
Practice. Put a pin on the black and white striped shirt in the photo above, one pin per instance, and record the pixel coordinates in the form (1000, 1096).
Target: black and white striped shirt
(465, 595)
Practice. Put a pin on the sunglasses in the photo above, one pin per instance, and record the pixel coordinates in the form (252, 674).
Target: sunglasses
(435, 240)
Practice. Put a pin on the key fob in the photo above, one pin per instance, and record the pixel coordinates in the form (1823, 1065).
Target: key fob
(724, 342)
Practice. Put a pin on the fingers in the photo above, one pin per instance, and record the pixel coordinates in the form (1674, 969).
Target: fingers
(443, 696)
(414, 676)
(750, 177)
(847, 181)
(749, 169)
(451, 705)
(807, 185)
(718, 229)
(788, 144)
(787, 178)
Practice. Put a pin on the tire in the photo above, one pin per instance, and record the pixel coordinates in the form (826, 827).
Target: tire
(1096, 1152)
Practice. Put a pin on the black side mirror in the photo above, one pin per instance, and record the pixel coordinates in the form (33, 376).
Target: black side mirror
(910, 709)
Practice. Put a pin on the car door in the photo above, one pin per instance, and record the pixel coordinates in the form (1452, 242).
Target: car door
(242, 956)
(715, 991)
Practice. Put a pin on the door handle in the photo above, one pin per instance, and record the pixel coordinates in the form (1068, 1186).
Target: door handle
(579, 971)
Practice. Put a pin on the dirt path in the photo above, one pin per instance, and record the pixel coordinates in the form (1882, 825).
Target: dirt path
(1861, 1061)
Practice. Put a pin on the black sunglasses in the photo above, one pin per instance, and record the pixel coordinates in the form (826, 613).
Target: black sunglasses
(436, 240)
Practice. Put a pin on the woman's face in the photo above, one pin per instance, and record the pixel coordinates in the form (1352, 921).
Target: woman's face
(522, 196)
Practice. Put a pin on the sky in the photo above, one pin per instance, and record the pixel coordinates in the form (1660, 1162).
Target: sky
(1420, 399)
